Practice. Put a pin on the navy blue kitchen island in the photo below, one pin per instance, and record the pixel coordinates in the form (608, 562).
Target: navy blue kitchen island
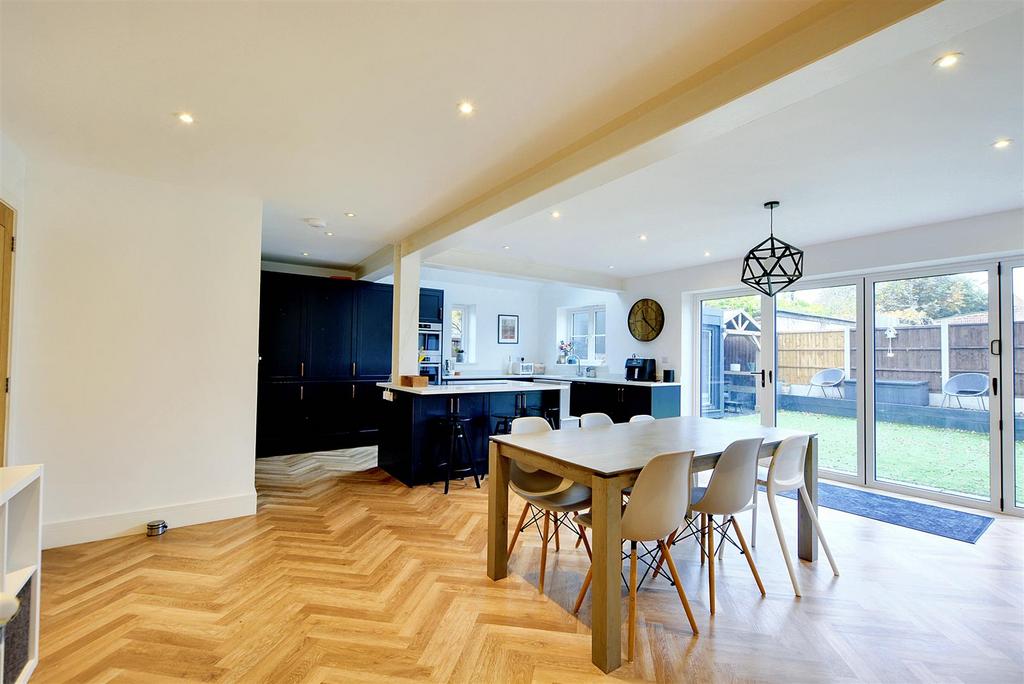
(411, 437)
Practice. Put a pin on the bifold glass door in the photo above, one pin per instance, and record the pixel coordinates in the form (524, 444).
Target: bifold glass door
(913, 380)
(1012, 354)
(735, 364)
(931, 383)
(818, 355)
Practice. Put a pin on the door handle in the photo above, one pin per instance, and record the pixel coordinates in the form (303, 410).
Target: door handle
(995, 387)
(770, 377)
(762, 377)
(995, 347)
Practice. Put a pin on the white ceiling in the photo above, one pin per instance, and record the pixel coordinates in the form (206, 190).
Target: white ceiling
(326, 108)
(903, 144)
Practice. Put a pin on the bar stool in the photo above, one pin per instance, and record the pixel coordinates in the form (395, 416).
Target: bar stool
(504, 424)
(459, 459)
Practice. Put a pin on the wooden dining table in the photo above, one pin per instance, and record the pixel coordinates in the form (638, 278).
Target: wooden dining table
(608, 459)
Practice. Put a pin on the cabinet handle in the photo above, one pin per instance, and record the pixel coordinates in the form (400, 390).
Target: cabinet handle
(302, 392)
(353, 368)
(353, 391)
(302, 369)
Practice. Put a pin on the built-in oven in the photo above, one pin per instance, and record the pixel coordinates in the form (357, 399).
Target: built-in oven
(432, 371)
(429, 337)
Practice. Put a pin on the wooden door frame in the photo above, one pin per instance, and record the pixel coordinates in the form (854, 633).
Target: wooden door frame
(8, 220)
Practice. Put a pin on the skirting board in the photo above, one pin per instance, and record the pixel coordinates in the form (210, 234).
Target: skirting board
(82, 530)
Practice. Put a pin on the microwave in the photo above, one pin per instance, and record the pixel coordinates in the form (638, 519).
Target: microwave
(521, 368)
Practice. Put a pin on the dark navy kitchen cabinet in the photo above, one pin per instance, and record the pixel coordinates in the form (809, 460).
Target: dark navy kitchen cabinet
(373, 339)
(431, 306)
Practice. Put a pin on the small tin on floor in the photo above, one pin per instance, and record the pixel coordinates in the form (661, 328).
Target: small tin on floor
(156, 528)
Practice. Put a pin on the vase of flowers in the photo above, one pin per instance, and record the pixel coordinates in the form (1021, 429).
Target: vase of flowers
(565, 350)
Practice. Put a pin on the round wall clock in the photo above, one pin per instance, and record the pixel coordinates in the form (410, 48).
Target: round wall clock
(646, 319)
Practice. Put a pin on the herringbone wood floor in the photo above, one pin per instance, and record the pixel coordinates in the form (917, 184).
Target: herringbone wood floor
(347, 576)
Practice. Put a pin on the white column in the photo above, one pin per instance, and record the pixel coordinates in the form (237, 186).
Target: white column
(406, 315)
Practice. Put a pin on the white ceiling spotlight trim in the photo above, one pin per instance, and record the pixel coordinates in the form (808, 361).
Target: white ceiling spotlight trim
(315, 222)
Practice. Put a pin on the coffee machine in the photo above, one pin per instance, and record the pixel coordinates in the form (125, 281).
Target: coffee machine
(644, 370)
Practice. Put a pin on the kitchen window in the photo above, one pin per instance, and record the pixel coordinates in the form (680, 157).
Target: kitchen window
(586, 326)
(461, 322)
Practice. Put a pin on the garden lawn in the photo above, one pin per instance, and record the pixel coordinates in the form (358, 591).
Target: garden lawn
(954, 461)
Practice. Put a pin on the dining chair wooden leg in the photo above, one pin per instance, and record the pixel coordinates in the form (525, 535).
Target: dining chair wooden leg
(583, 589)
(558, 518)
(586, 544)
(746, 552)
(543, 553)
(782, 543)
(711, 562)
(519, 527)
(679, 585)
(632, 601)
(817, 526)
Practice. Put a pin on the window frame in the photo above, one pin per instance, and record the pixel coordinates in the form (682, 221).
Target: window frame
(467, 341)
(592, 335)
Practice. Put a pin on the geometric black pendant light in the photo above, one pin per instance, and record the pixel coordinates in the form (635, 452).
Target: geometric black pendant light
(772, 265)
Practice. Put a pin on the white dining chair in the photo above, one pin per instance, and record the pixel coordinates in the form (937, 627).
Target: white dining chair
(592, 420)
(660, 500)
(548, 496)
(785, 473)
(641, 418)
(730, 491)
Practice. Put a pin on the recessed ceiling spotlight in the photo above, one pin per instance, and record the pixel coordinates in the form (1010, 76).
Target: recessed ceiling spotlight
(611, 267)
(305, 254)
(185, 117)
(1002, 143)
(466, 108)
(707, 253)
(643, 237)
(329, 234)
(947, 60)
(350, 214)
(556, 214)
(505, 247)
(315, 222)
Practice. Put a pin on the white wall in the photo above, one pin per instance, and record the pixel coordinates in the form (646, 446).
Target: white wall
(135, 342)
(490, 296)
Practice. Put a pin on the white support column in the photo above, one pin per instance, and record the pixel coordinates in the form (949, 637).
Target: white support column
(405, 315)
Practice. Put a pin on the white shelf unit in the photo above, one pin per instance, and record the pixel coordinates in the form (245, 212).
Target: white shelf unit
(21, 496)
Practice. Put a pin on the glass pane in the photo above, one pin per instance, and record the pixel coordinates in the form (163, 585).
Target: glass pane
(580, 324)
(457, 321)
(599, 322)
(816, 343)
(1018, 381)
(599, 346)
(931, 347)
(580, 347)
(730, 358)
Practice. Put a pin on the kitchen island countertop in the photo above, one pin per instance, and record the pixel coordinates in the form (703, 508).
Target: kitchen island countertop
(470, 387)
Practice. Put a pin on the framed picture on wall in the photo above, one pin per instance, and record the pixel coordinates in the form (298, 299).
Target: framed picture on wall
(508, 329)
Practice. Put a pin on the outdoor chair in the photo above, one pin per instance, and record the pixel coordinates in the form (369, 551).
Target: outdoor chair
(965, 385)
(828, 378)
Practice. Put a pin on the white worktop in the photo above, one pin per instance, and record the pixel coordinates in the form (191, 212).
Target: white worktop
(607, 379)
(479, 387)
